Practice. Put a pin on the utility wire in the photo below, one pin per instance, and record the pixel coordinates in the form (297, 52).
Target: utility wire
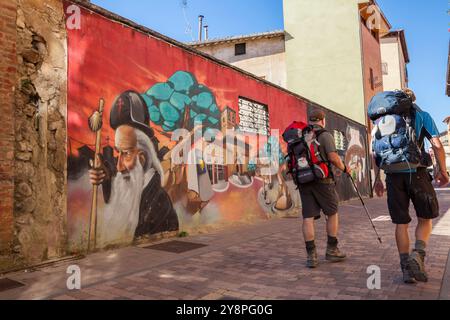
(188, 30)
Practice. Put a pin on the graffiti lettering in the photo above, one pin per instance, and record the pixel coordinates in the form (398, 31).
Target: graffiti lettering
(74, 19)
(374, 280)
(74, 280)
(374, 20)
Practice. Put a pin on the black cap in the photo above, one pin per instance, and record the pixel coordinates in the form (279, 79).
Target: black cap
(316, 115)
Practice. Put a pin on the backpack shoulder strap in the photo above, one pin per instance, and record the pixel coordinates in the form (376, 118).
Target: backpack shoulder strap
(328, 163)
(320, 132)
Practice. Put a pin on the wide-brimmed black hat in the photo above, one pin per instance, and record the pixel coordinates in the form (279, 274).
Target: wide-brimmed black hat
(130, 109)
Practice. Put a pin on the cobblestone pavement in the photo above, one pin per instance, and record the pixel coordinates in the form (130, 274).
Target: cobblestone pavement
(264, 260)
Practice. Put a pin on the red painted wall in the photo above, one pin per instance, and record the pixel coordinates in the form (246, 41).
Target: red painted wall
(106, 58)
(372, 60)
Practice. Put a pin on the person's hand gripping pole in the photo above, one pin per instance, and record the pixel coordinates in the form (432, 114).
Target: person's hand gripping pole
(95, 124)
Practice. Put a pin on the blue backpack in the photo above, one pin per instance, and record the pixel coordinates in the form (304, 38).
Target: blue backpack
(394, 140)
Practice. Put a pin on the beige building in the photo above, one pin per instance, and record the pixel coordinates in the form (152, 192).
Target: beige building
(395, 57)
(333, 53)
(448, 72)
(262, 54)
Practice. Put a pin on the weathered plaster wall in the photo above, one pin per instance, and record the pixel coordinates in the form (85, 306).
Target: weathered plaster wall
(40, 133)
(8, 71)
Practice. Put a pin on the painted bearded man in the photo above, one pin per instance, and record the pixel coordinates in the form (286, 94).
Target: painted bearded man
(135, 202)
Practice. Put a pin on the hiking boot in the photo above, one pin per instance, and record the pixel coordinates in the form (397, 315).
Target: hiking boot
(408, 275)
(334, 254)
(312, 261)
(417, 263)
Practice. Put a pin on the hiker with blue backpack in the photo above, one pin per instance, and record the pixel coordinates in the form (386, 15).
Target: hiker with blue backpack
(311, 152)
(398, 142)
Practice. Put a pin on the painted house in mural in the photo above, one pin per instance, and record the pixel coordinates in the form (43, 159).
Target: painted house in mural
(183, 140)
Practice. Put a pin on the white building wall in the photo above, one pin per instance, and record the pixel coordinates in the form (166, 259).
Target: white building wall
(392, 54)
(264, 58)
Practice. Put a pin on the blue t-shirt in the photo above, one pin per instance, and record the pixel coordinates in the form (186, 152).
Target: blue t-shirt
(425, 128)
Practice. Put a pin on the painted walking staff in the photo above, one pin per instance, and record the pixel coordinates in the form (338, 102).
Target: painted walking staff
(95, 124)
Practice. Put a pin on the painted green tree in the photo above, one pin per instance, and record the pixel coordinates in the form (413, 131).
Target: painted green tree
(182, 102)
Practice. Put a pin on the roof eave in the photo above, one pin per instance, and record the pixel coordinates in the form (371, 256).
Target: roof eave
(213, 42)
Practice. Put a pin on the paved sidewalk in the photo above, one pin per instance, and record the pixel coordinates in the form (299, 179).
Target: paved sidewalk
(260, 261)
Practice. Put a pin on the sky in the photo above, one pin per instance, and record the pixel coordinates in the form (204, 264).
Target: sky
(426, 24)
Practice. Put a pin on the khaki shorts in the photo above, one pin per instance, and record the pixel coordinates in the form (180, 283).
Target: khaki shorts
(317, 197)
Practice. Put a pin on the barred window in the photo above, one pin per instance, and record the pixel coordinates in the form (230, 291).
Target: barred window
(254, 117)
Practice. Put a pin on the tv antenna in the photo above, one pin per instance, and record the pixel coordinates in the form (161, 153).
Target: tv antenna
(188, 29)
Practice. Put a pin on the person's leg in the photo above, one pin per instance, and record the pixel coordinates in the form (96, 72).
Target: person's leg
(310, 211)
(425, 202)
(333, 253)
(333, 225)
(423, 230)
(403, 246)
(398, 204)
(308, 229)
(328, 199)
(309, 235)
(402, 238)
(423, 233)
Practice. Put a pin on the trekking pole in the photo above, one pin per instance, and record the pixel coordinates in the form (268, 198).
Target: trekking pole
(365, 208)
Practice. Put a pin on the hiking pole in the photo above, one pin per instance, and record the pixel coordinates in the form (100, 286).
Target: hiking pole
(365, 208)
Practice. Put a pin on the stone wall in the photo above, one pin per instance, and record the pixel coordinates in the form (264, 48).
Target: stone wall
(40, 132)
(8, 70)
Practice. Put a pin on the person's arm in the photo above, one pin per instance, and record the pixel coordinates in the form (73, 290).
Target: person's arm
(326, 140)
(378, 186)
(335, 160)
(432, 134)
(441, 175)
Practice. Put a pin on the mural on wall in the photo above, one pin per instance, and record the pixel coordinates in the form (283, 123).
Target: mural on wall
(182, 144)
(149, 184)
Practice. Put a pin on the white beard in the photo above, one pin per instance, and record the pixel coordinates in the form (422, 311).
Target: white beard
(120, 217)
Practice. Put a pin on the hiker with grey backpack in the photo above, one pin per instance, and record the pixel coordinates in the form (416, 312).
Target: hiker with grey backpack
(398, 143)
(311, 153)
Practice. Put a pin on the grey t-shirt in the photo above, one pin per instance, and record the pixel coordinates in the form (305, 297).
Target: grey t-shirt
(327, 145)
